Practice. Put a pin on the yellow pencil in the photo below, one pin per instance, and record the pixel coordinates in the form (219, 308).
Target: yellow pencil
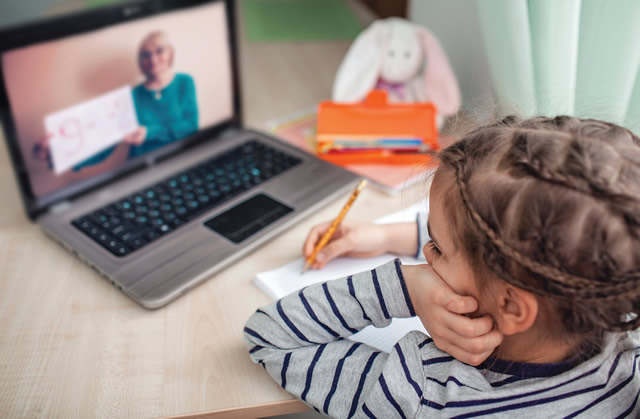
(334, 225)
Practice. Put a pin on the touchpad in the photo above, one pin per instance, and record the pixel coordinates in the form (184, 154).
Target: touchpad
(248, 217)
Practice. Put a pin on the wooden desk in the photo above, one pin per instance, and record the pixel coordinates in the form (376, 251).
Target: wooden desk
(71, 345)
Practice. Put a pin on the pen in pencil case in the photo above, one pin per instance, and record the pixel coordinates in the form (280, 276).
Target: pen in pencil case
(377, 157)
(342, 143)
(381, 142)
(339, 147)
(347, 150)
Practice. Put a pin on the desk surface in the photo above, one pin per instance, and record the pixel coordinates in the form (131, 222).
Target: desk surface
(73, 346)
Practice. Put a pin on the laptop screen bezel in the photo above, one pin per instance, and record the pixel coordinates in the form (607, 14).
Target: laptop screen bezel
(87, 21)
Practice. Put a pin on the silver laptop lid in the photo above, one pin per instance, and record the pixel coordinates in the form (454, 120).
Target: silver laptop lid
(87, 98)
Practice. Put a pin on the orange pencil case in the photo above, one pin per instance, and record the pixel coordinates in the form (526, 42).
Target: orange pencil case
(376, 131)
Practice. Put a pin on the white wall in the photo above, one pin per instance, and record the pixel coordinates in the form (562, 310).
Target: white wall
(455, 24)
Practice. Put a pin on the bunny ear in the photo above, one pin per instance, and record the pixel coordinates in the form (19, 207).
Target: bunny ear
(440, 83)
(360, 67)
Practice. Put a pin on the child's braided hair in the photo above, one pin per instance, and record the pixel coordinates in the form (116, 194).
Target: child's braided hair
(552, 205)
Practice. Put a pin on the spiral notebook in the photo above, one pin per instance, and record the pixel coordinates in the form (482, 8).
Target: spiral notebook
(286, 279)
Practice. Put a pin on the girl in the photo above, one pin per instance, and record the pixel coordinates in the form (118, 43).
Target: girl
(538, 221)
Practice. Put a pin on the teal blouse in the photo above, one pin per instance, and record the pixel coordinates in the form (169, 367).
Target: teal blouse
(169, 115)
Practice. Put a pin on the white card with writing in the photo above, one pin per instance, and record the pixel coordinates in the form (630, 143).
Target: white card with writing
(80, 131)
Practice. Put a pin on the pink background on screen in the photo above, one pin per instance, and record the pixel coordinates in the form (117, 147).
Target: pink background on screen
(51, 76)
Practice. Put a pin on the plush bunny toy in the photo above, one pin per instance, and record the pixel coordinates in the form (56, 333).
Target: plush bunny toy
(402, 58)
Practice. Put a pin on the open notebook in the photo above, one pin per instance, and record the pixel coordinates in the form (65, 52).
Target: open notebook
(284, 280)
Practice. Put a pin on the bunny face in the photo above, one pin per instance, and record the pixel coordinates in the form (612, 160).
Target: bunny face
(401, 58)
(399, 52)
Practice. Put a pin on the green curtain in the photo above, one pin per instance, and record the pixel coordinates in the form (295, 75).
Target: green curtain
(576, 57)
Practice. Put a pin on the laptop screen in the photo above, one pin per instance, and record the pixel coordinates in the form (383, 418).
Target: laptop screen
(88, 105)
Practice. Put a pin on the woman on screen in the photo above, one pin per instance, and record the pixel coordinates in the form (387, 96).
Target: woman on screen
(165, 103)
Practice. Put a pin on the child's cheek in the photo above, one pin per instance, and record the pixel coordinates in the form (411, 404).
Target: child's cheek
(460, 280)
(427, 254)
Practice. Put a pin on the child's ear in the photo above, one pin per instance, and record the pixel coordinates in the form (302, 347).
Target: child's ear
(517, 310)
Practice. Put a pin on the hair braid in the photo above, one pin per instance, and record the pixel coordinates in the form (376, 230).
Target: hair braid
(628, 285)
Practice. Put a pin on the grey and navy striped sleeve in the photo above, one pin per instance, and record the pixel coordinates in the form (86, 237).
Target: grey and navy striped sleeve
(300, 341)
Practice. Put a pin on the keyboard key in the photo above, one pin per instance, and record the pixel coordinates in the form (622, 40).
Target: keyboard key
(121, 251)
(83, 224)
(116, 231)
(152, 235)
(132, 235)
(137, 243)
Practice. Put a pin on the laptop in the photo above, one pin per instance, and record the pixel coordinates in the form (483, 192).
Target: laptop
(124, 129)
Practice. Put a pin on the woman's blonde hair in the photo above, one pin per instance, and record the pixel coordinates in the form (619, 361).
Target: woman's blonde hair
(147, 38)
(552, 205)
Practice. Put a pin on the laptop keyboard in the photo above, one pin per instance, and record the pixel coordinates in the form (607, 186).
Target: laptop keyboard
(135, 221)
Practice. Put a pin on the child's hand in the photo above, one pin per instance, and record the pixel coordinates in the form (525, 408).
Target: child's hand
(362, 240)
(442, 311)
(350, 239)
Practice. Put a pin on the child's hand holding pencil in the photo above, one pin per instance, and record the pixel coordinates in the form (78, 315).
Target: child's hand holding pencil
(334, 225)
(351, 239)
(339, 237)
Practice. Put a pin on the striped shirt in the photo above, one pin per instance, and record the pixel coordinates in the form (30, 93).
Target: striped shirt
(301, 341)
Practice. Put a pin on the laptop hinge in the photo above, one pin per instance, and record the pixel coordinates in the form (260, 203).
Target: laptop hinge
(230, 132)
(60, 207)
(150, 161)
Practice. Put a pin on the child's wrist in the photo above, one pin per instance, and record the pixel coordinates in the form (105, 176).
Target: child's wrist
(408, 275)
(392, 239)
(400, 238)
(387, 238)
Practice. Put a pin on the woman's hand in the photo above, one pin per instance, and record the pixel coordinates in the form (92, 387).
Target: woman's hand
(40, 150)
(445, 316)
(136, 137)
